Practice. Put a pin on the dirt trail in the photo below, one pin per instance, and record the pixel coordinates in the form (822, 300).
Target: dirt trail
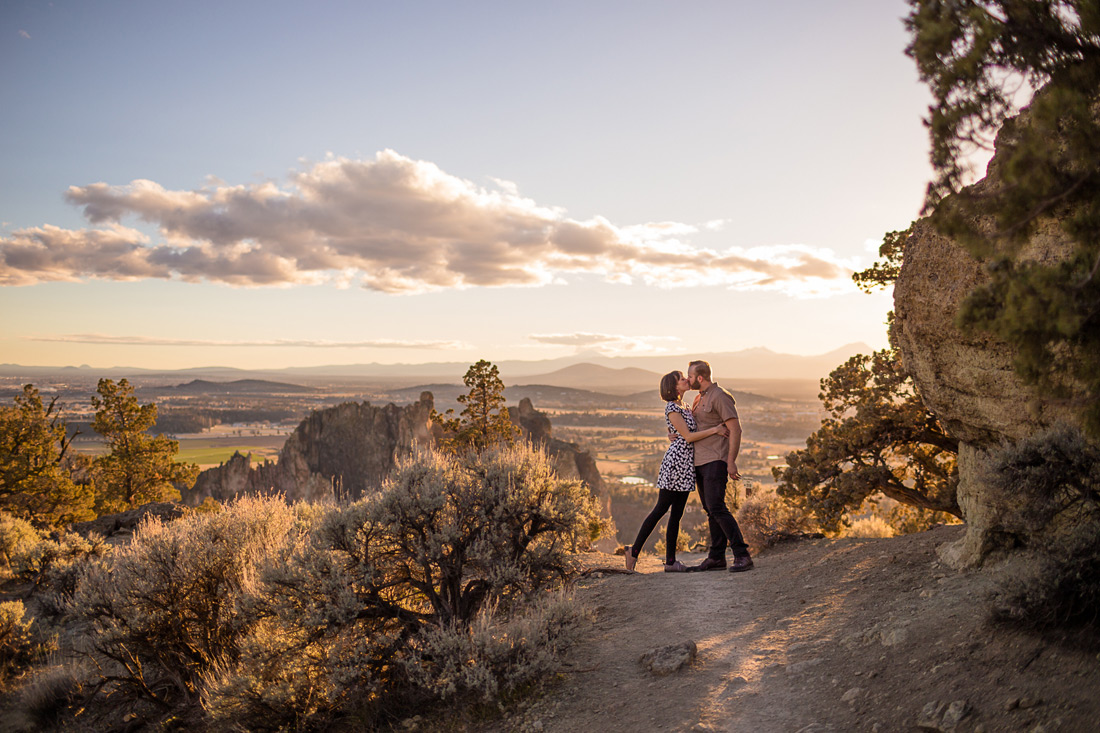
(823, 635)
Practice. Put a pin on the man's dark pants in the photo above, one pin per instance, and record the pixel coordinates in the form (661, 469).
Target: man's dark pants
(711, 479)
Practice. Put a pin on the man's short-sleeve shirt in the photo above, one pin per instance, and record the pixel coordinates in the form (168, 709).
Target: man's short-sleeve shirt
(713, 407)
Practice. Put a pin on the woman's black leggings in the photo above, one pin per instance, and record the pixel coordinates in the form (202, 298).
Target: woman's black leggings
(674, 500)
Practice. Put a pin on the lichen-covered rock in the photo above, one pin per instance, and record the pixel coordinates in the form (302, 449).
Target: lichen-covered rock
(966, 377)
(337, 453)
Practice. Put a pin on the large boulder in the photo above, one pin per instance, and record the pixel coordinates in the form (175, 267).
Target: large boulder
(340, 452)
(967, 378)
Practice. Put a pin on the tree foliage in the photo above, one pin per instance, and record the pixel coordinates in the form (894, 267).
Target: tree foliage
(35, 479)
(978, 57)
(139, 468)
(885, 271)
(879, 438)
(484, 421)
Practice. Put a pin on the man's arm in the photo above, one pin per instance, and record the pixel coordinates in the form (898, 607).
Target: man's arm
(734, 426)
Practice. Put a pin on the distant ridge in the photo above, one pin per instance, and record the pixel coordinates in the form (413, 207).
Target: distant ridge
(746, 364)
(595, 377)
(240, 386)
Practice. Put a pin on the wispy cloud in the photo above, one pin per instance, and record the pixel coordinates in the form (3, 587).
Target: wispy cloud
(390, 224)
(102, 339)
(605, 342)
(24, 34)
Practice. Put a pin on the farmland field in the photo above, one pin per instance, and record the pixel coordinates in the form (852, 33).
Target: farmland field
(207, 452)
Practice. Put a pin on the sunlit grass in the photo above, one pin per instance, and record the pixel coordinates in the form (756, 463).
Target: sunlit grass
(211, 455)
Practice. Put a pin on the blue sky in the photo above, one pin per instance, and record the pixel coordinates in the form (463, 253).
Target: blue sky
(274, 184)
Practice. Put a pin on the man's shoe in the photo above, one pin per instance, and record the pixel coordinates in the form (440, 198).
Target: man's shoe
(741, 564)
(710, 564)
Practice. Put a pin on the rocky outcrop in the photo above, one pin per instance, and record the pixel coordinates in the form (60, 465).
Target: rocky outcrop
(568, 458)
(119, 527)
(569, 462)
(340, 452)
(967, 378)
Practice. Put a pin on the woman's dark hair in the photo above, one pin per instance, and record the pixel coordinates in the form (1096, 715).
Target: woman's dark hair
(668, 386)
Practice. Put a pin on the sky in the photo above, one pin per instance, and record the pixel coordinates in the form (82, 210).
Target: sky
(270, 184)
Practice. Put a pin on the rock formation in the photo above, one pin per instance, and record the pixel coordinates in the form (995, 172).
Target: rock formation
(569, 462)
(337, 453)
(967, 379)
(118, 528)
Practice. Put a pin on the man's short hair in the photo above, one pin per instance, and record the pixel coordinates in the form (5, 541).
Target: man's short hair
(700, 368)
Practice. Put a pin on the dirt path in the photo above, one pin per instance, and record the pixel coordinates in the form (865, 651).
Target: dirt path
(823, 635)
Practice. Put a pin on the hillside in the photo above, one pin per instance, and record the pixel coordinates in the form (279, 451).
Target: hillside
(823, 635)
(238, 387)
(596, 377)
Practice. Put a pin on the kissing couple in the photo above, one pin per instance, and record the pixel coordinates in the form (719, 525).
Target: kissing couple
(702, 454)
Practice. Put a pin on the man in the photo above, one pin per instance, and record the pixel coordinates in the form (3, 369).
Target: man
(715, 463)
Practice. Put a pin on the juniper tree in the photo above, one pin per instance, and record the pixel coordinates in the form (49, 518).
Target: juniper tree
(139, 468)
(879, 437)
(35, 478)
(484, 420)
(981, 58)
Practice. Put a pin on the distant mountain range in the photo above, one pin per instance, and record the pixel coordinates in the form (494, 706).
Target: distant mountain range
(548, 395)
(587, 370)
(240, 386)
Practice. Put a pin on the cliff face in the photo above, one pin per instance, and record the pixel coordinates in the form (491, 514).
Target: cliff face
(968, 380)
(340, 452)
(569, 462)
(568, 459)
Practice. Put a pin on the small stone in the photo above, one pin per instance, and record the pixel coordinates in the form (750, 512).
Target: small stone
(893, 637)
(1029, 702)
(956, 711)
(851, 695)
(668, 659)
(931, 717)
(737, 681)
(800, 667)
(1012, 704)
(537, 725)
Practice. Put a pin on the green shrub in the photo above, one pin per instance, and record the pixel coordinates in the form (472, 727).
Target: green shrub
(166, 609)
(683, 541)
(55, 565)
(18, 538)
(50, 695)
(494, 656)
(418, 593)
(871, 526)
(766, 519)
(1059, 472)
(21, 642)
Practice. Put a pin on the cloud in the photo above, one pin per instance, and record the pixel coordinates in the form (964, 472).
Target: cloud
(390, 224)
(607, 343)
(102, 339)
(25, 34)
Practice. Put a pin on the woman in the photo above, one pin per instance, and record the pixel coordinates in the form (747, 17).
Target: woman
(676, 479)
